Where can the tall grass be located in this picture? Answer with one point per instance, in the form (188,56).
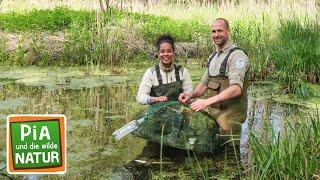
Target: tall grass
(293,155)
(280,37)
(95,37)
(288,53)
(3,53)
(233,10)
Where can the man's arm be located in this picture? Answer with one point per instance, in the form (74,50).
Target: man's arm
(229,93)
(197,92)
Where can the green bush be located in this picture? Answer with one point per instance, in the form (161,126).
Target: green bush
(48,20)
(62,18)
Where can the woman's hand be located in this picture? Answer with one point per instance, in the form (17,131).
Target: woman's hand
(158,99)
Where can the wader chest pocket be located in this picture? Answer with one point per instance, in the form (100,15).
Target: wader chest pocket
(214,85)
(214,88)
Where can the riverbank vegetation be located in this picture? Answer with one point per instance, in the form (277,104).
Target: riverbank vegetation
(281,40)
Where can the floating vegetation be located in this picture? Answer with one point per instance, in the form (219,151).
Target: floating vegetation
(13,103)
(67,78)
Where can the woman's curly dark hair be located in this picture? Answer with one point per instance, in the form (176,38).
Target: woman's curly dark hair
(165,38)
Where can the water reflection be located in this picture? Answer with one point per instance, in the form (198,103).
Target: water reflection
(266,119)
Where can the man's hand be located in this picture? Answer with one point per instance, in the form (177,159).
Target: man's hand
(199,105)
(184,97)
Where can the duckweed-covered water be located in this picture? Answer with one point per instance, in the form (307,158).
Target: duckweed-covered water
(96,104)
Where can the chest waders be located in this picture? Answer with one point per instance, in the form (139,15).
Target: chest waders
(171,90)
(229,114)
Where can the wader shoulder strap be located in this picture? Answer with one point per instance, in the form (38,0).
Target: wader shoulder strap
(177,69)
(225,61)
(210,59)
(159,77)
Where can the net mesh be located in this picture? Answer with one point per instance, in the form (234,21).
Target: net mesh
(178,126)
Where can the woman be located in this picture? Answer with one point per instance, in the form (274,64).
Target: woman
(166,80)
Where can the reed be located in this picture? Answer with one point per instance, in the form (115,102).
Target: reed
(293,154)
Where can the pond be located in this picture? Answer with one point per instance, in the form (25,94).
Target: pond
(96,104)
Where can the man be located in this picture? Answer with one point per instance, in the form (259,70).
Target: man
(226,80)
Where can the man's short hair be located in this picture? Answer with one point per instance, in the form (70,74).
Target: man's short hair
(226,23)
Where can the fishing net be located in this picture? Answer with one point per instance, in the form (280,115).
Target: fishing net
(178,126)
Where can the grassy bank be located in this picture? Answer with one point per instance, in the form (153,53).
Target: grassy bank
(281,39)
(111,37)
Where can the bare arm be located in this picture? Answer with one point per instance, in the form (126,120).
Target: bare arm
(229,93)
(198,91)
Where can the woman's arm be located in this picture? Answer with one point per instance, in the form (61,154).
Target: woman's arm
(186,81)
(143,94)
